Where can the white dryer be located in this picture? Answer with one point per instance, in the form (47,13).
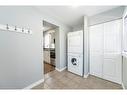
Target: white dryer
(75,52)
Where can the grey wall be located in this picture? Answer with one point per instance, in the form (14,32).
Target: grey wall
(113,14)
(63,46)
(78,27)
(21,55)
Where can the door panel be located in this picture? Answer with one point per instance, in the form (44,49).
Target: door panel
(96,50)
(108,64)
(112,51)
(96,61)
(112,36)
(112,69)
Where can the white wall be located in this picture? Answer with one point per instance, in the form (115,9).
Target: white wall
(21,54)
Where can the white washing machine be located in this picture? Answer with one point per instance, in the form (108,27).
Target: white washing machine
(75,52)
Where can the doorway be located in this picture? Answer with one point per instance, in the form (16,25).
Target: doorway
(49,46)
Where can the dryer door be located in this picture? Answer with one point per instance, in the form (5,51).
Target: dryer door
(75,63)
(75,42)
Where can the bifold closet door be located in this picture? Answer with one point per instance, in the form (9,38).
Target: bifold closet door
(105,50)
(112,51)
(96,49)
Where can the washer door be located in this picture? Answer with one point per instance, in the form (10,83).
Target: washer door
(75,63)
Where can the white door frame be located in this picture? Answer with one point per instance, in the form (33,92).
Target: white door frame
(57,52)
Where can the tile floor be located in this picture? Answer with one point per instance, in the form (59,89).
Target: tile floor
(67,80)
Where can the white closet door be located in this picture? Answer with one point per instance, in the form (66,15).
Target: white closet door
(96,50)
(112,51)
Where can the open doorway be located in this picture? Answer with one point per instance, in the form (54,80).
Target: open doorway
(49,46)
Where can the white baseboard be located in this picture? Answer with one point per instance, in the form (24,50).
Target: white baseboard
(123,86)
(34,84)
(85,76)
(60,69)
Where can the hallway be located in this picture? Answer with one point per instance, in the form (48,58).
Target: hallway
(67,80)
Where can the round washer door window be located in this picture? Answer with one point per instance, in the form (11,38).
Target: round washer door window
(74,61)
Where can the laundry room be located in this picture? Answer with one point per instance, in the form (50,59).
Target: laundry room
(63,47)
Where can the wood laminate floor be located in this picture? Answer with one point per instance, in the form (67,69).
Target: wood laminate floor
(48,68)
(67,80)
